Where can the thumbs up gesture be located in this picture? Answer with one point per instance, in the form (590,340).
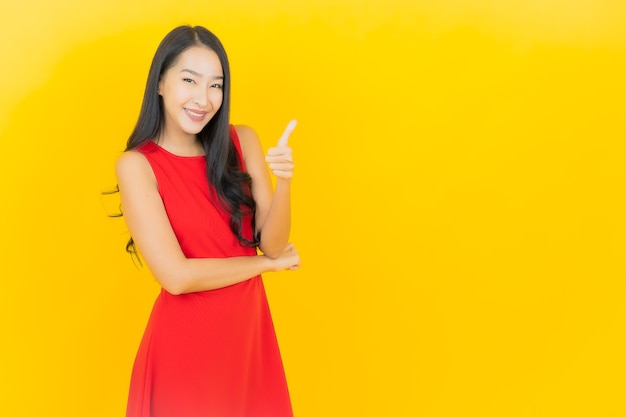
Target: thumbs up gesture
(279,157)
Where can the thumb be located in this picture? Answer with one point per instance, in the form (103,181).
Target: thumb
(285,137)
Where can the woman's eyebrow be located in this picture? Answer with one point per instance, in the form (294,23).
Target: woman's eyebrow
(192,72)
(197,74)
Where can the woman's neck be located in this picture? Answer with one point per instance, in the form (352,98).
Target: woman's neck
(183,145)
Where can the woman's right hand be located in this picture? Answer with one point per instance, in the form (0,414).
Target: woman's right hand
(288,259)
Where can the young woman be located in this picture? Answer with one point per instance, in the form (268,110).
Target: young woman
(198,200)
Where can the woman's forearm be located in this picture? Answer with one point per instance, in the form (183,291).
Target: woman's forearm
(277,225)
(203,274)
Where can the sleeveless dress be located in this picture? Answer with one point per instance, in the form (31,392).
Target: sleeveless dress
(209,353)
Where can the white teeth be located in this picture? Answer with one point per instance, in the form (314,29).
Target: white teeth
(193,113)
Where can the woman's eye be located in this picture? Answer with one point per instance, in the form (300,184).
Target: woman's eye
(188,80)
(216,86)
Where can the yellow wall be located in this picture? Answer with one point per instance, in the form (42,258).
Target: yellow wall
(459,202)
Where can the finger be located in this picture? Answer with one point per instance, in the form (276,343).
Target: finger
(275,154)
(282,166)
(283,174)
(281,159)
(285,137)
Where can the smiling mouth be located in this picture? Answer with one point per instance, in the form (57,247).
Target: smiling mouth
(196,114)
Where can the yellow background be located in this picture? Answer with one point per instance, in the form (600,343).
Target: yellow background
(459,200)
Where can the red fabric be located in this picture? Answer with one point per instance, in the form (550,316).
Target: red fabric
(210,353)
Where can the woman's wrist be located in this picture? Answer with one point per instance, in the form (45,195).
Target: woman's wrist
(269,264)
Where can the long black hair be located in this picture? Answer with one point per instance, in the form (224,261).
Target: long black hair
(232,185)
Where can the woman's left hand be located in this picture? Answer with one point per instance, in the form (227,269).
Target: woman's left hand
(280,158)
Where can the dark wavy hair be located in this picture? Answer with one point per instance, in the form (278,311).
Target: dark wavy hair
(232,185)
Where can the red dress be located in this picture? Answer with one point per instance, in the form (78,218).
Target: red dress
(209,353)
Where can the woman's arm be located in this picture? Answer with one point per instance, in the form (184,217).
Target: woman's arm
(150,228)
(273,212)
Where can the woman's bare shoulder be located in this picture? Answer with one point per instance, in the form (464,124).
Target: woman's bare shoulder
(246,133)
(249,140)
(132,163)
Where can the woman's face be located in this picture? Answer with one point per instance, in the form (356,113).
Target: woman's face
(192,91)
